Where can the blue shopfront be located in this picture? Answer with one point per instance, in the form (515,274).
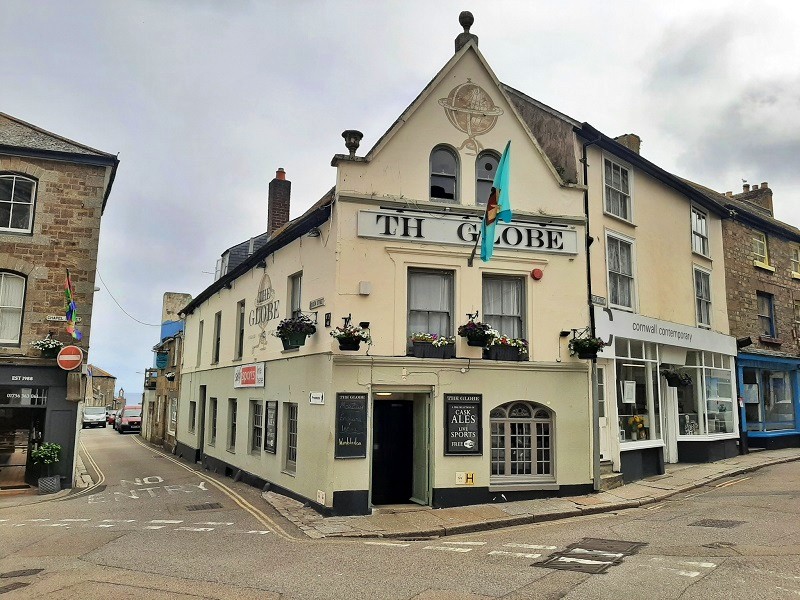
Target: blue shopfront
(769,387)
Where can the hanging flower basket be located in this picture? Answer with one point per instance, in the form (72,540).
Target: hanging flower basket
(586,348)
(478,334)
(49,346)
(294,330)
(350,337)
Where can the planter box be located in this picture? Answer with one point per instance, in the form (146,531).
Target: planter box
(294,340)
(349,345)
(500,352)
(587,354)
(428,350)
(50,484)
(479,342)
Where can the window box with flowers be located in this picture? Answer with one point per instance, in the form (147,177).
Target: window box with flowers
(49,346)
(351,336)
(506,348)
(586,347)
(294,330)
(477,333)
(432,345)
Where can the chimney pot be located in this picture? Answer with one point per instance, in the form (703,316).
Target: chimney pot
(280,174)
(745,187)
(764,185)
(280,190)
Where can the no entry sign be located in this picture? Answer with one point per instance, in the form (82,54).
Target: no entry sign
(70,358)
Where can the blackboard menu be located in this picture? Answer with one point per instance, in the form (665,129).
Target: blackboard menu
(463,428)
(271,428)
(351,425)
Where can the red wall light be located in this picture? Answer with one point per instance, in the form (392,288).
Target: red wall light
(537,274)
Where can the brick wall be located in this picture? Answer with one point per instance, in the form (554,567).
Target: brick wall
(66,230)
(743,280)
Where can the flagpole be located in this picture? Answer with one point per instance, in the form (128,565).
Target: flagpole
(478,238)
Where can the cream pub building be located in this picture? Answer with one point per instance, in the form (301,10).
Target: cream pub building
(387,247)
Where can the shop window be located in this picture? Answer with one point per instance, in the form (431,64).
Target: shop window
(620,272)
(638,403)
(617,188)
(232,416)
(699,232)
(503,305)
(17,198)
(760,249)
(295,287)
(444,175)
(522,443)
(12,298)
(240,319)
(766,315)
(768,398)
(217,337)
(212,422)
(257,423)
(706,406)
(430,302)
(702,297)
(485,169)
(16,396)
(291,438)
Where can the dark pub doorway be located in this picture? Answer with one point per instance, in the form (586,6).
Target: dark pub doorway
(392,452)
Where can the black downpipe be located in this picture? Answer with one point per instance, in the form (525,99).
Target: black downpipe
(585,161)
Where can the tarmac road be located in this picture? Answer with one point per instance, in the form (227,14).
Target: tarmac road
(155,527)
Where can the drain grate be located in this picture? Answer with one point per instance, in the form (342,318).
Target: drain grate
(591,555)
(204,506)
(12,586)
(21,573)
(717,523)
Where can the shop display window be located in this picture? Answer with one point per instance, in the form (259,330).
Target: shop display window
(638,403)
(768,400)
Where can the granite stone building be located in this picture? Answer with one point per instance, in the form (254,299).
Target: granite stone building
(53,192)
(101,387)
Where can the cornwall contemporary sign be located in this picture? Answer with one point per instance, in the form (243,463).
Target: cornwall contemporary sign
(463,231)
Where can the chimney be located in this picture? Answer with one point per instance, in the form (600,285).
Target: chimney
(631,141)
(466,20)
(280,190)
(759,196)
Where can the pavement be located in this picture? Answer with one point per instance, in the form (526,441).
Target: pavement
(422,522)
(412,521)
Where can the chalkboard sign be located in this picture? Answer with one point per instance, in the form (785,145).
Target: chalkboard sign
(271,429)
(351,425)
(463,428)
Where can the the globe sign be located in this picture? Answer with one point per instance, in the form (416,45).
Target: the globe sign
(471,110)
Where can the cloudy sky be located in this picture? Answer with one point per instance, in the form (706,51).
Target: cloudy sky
(205,99)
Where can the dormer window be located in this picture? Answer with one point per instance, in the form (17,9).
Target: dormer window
(17,195)
(444,175)
(485,169)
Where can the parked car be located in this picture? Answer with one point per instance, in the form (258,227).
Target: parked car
(115,420)
(94,416)
(129,419)
(111,416)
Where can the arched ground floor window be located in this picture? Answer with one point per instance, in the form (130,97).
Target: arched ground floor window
(522,443)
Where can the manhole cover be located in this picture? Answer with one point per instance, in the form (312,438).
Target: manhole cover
(204,506)
(12,586)
(569,563)
(717,523)
(591,555)
(21,573)
(615,546)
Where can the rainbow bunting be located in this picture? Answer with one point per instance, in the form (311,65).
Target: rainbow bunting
(71,309)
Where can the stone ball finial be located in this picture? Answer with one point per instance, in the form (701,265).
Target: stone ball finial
(352,139)
(466,19)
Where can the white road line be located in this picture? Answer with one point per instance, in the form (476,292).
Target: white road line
(516,554)
(75,520)
(705,565)
(529,546)
(212,523)
(166,521)
(193,529)
(451,549)
(387,544)
(36,520)
(103,525)
(258,531)
(795,592)
(20,525)
(3,520)
(154,526)
(119,520)
(466,543)
(54,525)
(597,553)
(676,571)
(583,561)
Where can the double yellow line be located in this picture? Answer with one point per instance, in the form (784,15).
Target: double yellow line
(239,500)
(101,478)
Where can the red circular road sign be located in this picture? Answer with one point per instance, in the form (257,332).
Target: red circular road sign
(69,358)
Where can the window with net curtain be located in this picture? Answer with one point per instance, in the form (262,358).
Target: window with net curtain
(502,305)
(620,272)
(12,294)
(430,302)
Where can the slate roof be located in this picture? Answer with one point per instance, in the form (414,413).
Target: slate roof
(17,133)
(98,372)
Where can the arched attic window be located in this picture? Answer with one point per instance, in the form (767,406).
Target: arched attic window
(444,175)
(485,169)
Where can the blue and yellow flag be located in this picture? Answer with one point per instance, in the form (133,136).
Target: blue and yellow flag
(498,208)
(71,309)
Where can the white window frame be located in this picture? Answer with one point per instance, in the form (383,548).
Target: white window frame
(292,433)
(240,329)
(192,423)
(233,416)
(256,425)
(699,300)
(212,421)
(634,292)
(795,260)
(173,415)
(492,318)
(456,177)
(14,178)
(479,200)
(5,306)
(217,338)
(447,275)
(295,294)
(760,249)
(770,299)
(508,428)
(199,342)
(608,186)
(699,220)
